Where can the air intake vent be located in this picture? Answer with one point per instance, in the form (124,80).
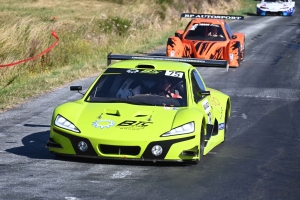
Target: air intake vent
(141,115)
(112,112)
(120,150)
(146,66)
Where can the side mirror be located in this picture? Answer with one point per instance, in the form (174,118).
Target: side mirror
(179,33)
(76,88)
(234,37)
(73,88)
(203,93)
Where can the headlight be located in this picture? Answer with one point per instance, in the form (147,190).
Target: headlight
(63,123)
(184,129)
(285,8)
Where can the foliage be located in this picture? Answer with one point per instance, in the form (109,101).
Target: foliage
(112,25)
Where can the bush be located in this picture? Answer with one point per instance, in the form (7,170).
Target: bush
(112,25)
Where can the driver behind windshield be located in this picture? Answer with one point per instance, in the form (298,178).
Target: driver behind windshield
(214,32)
(163,87)
(142,86)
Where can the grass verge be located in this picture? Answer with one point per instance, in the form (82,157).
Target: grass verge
(88,31)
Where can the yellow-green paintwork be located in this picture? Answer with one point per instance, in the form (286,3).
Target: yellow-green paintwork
(82,114)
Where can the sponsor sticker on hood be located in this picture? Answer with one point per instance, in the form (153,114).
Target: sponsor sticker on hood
(103,123)
(133,125)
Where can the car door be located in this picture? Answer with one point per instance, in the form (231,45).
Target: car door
(203,101)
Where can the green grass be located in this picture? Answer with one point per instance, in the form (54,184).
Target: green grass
(88,31)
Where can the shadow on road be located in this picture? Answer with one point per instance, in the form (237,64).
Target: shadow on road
(34,146)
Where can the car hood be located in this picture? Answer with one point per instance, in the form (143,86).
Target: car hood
(111,120)
(208,49)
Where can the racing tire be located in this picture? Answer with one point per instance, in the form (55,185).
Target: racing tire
(243,53)
(202,145)
(239,56)
(226,125)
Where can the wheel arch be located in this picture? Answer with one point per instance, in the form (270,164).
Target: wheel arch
(228,108)
(175,47)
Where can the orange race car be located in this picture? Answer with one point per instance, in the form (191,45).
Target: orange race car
(208,37)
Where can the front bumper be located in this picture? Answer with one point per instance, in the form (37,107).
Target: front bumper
(265,12)
(184,148)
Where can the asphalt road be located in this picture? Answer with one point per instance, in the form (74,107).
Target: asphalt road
(260,159)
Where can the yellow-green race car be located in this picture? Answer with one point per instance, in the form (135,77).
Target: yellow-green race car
(147,108)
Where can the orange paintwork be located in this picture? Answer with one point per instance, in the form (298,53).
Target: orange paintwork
(195,42)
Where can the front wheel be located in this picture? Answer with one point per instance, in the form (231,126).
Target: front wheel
(202,143)
(201,146)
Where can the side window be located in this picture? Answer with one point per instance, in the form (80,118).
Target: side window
(197,85)
(195,88)
(228,30)
(199,80)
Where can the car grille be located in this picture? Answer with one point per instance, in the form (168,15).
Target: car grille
(119,150)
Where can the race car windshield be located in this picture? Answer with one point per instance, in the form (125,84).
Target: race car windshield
(205,32)
(141,87)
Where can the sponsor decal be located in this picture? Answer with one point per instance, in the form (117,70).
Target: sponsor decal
(169,58)
(221,126)
(209,117)
(215,25)
(194,27)
(203,24)
(215,101)
(207,109)
(132,71)
(231,17)
(172,53)
(150,71)
(103,123)
(206,106)
(171,107)
(133,125)
(174,74)
(221,115)
(231,56)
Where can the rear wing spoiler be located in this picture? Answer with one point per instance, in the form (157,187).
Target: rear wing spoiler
(193,61)
(210,16)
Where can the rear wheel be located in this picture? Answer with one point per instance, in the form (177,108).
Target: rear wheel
(239,56)
(243,51)
(226,125)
